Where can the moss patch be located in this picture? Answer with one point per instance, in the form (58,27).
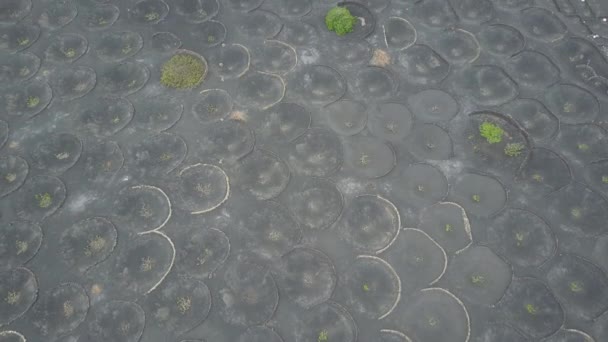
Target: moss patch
(493,133)
(514,149)
(33,101)
(183,71)
(44,200)
(339,20)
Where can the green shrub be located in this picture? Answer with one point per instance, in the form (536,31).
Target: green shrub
(339,20)
(493,133)
(183,71)
(514,149)
(33,101)
(44,200)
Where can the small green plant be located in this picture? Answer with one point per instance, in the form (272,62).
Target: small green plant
(32,101)
(575,287)
(70,53)
(23,41)
(211,109)
(364,159)
(44,200)
(339,20)
(323,336)
(537,177)
(274,236)
(22,246)
(95,245)
(493,133)
(520,238)
(124,328)
(10,177)
(391,127)
(476,198)
(166,156)
(448,227)
(101,21)
(365,288)
(605,179)
(201,13)
(152,16)
(68,309)
(126,49)
(478,279)
(184,304)
(182,71)
(147,264)
(145,211)
(207,253)
(514,149)
(13,297)
(531,309)
(583,147)
(576,212)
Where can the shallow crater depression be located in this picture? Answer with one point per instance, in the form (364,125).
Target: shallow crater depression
(232,170)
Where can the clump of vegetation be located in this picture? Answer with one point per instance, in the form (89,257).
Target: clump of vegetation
(23,41)
(95,245)
(68,309)
(152,16)
(184,304)
(323,336)
(70,53)
(274,236)
(575,286)
(183,71)
(12,298)
(10,177)
(478,279)
(514,149)
(576,212)
(32,101)
(166,156)
(520,238)
(147,264)
(493,133)
(339,20)
(532,310)
(22,246)
(476,198)
(44,200)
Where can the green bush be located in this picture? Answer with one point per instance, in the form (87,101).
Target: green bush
(183,71)
(44,200)
(339,20)
(514,149)
(493,133)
